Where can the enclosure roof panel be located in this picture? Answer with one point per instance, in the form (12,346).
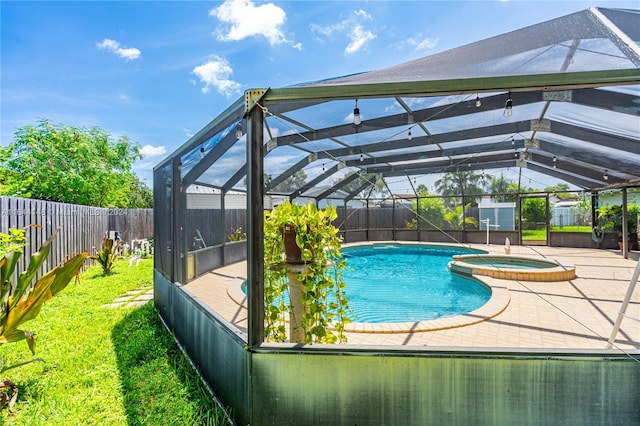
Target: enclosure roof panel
(572,85)
(591,40)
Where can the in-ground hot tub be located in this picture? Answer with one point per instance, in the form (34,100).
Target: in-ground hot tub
(511,267)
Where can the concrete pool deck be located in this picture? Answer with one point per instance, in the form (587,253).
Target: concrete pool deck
(574,314)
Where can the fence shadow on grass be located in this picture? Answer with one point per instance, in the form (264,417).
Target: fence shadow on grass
(158,383)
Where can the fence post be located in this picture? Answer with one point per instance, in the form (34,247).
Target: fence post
(4,215)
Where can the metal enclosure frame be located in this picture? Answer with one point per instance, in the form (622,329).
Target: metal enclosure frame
(288,384)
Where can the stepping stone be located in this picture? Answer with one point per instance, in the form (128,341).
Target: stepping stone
(133,297)
(145,297)
(136,303)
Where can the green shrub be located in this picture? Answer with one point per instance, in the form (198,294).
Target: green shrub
(108,255)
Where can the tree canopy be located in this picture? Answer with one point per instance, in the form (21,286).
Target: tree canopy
(534,210)
(430,210)
(72,165)
(462,183)
(562,191)
(292,183)
(503,190)
(140,196)
(366,186)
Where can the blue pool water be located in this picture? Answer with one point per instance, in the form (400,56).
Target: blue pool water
(399,283)
(509,263)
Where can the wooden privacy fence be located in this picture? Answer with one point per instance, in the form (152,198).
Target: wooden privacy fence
(80,228)
(212,227)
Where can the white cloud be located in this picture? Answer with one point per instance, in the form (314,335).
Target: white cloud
(358,36)
(215,73)
(127,53)
(422,43)
(152,151)
(352,28)
(329,30)
(427,43)
(278,164)
(245,19)
(187,132)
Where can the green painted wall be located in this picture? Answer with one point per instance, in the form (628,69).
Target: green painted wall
(282,384)
(430,389)
(218,353)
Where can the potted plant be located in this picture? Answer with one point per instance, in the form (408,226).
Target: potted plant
(235,249)
(317,266)
(610,219)
(237,234)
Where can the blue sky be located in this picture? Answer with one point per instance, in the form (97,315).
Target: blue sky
(158,72)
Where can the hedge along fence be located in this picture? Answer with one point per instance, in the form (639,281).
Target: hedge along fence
(80,227)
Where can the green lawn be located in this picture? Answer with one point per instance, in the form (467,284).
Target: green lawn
(103,365)
(573,228)
(541,234)
(534,234)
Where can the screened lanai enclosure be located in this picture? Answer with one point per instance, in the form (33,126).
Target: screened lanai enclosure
(559,99)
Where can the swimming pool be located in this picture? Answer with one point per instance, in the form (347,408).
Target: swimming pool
(390,283)
(383,305)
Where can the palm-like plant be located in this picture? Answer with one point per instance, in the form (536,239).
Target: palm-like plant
(108,255)
(457,219)
(461,183)
(21,301)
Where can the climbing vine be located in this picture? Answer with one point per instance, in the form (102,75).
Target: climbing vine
(324,298)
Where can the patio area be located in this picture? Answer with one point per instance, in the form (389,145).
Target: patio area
(575,314)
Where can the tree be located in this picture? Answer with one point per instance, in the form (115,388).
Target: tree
(374,186)
(583,208)
(422,189)
(461,183)
(290,184)
(534,210)
(4,156)
(430,211)
(69,164)
(562,191)
(503,190)
(140,196)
